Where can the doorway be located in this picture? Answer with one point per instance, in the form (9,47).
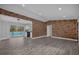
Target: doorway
(49,30)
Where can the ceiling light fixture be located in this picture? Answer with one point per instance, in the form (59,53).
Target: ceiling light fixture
(23,5)
(59,9)
(64,16)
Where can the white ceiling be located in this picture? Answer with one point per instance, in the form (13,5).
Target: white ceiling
(14,20)
(45,12)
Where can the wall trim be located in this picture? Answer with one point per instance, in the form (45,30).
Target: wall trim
(40,37)
(4,38)
(64,38)
(60,38)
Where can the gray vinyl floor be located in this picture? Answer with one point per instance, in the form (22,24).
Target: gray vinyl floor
(42,46)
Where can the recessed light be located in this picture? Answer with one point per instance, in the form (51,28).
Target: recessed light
(59,9)
(23,5)
(64,16)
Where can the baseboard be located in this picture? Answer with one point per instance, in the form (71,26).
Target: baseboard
(64,38)
(55,37)
(40,37)
(46,36)
(5,38)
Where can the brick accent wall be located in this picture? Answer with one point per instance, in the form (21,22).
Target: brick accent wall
(38,28)
(64,28)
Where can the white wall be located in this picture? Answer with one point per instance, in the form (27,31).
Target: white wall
(6,22)
(4,30)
